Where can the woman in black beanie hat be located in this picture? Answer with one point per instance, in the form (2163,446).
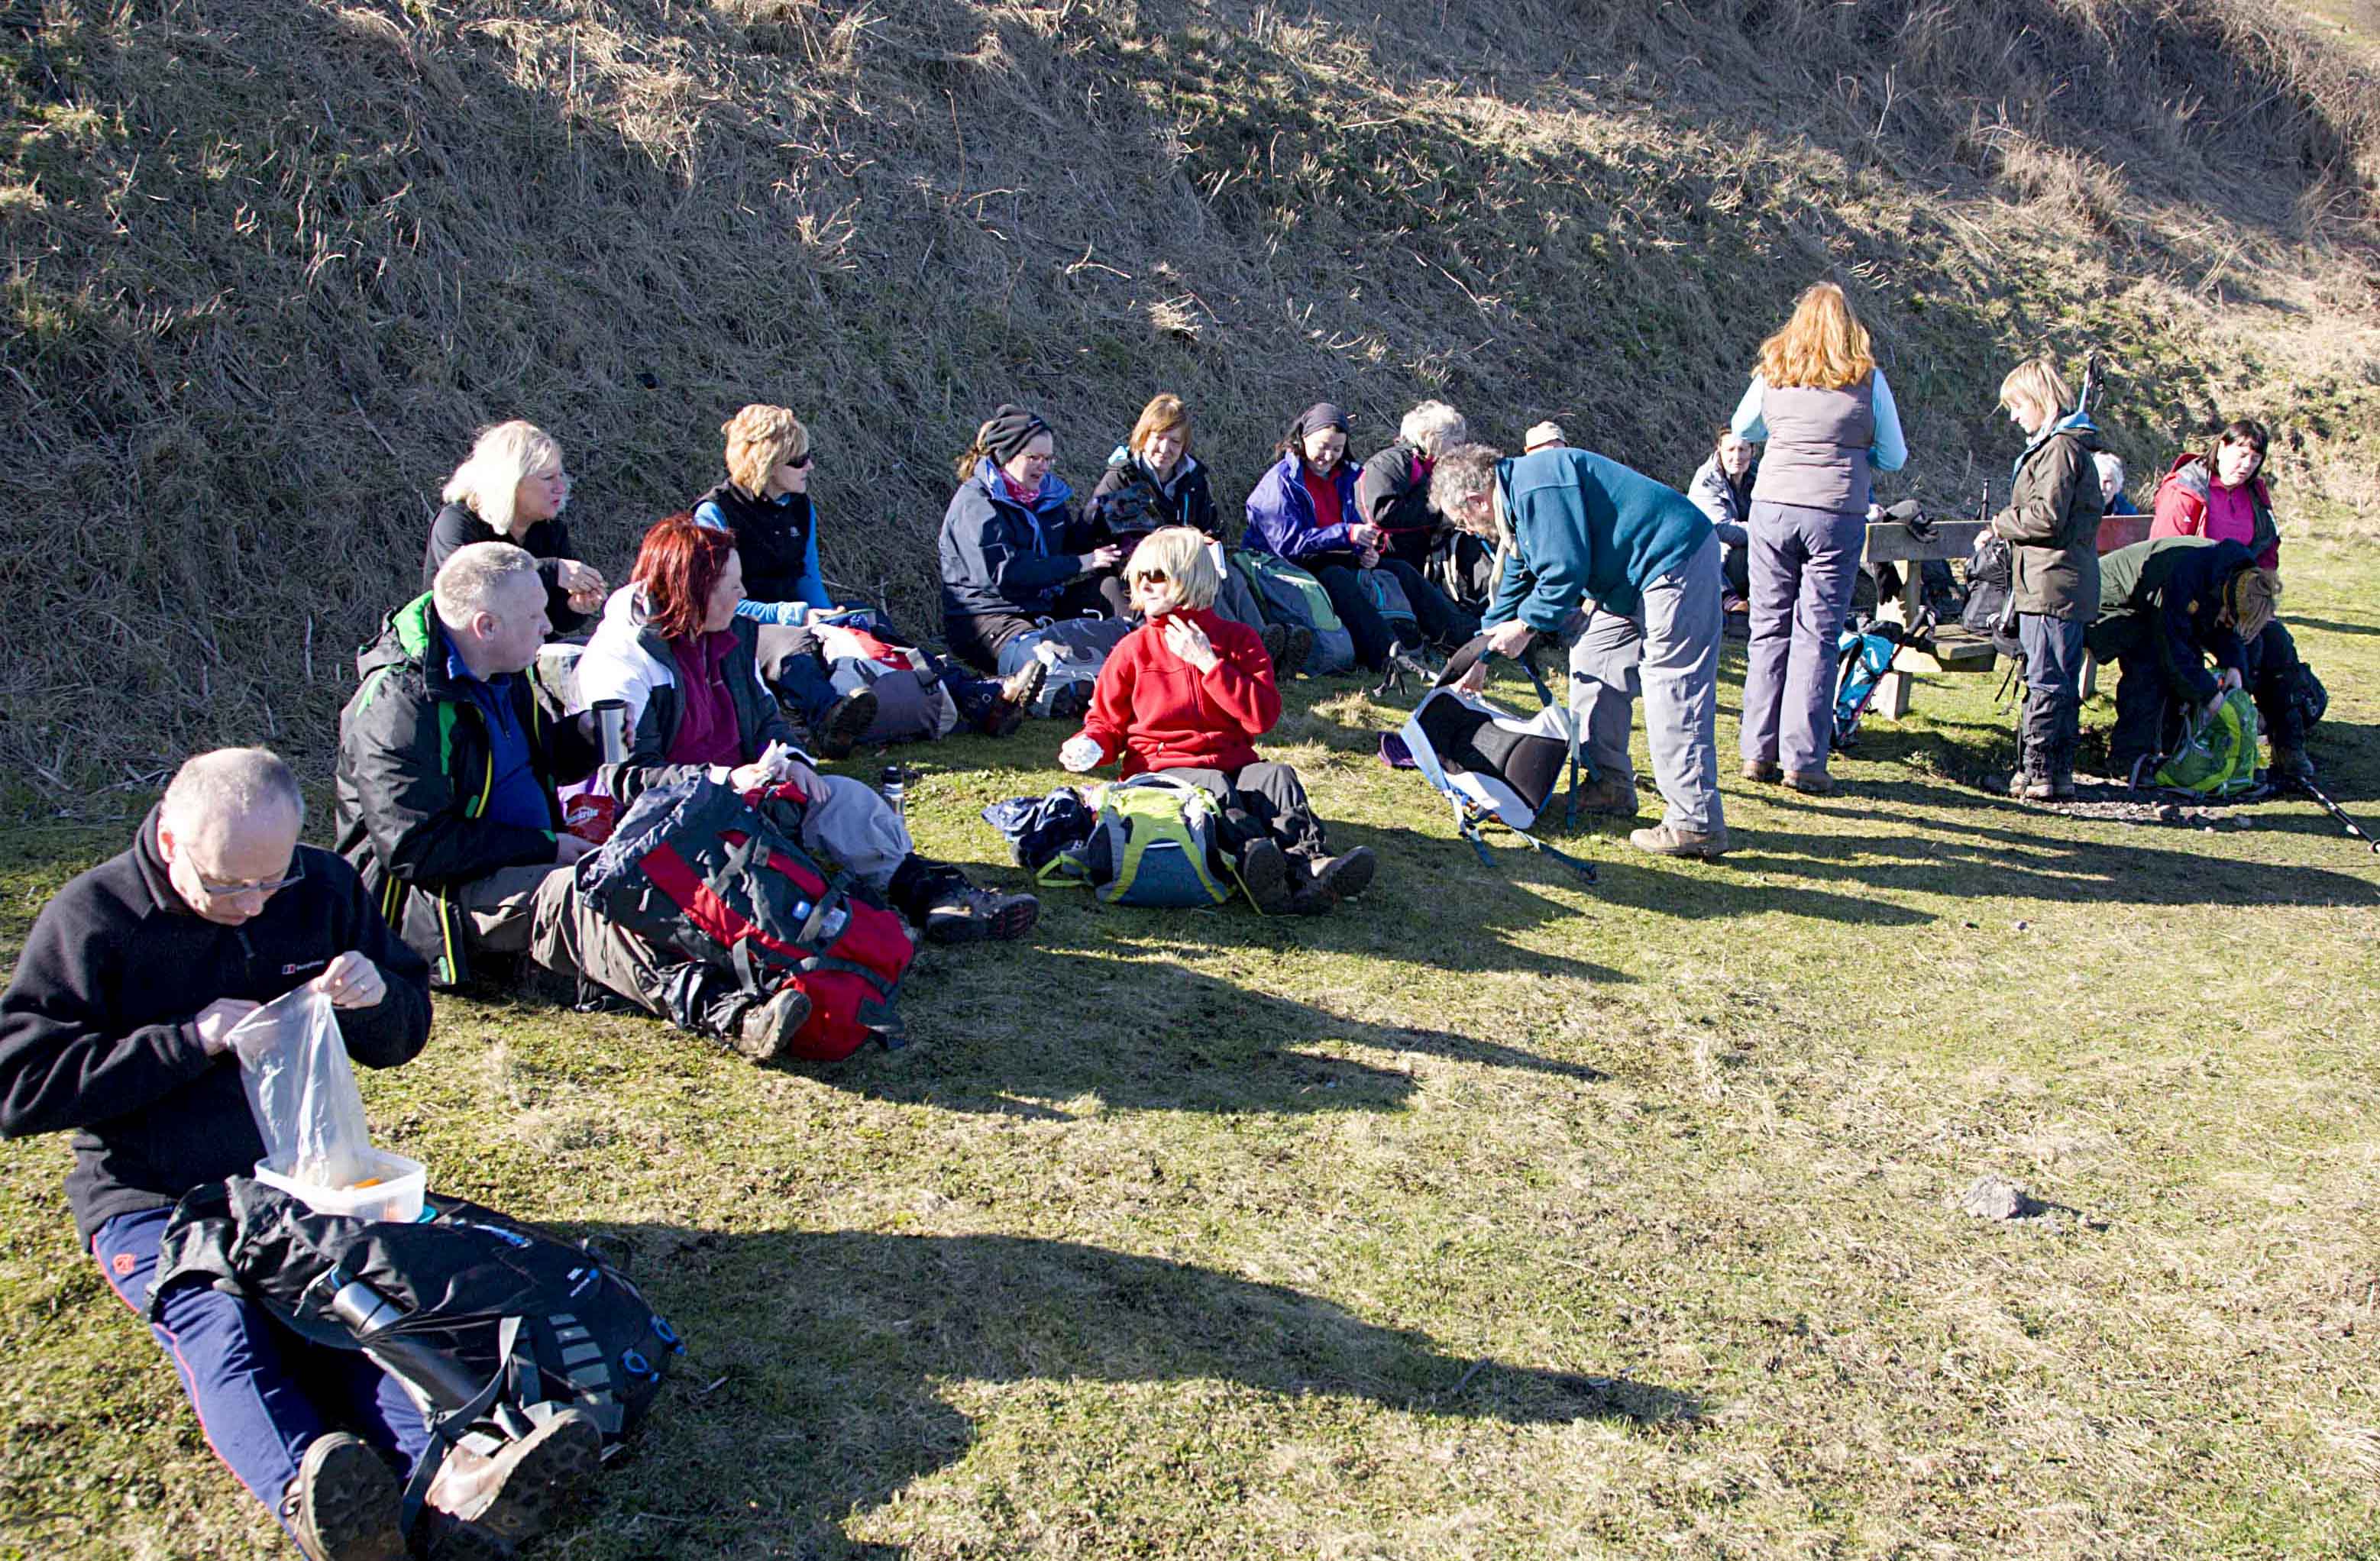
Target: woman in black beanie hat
(1013,549)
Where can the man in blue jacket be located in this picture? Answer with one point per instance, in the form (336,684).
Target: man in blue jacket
(1587,532)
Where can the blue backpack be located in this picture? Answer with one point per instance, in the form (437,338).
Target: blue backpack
(1865,655)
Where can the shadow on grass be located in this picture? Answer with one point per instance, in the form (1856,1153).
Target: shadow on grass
(823,1366)
(2330,626)
(1145,1034)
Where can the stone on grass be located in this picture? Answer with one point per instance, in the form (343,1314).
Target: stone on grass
(1996,1197)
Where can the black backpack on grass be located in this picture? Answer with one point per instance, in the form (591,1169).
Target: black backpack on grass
(493,1326)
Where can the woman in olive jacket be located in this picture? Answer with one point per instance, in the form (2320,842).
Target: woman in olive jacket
(2052,526)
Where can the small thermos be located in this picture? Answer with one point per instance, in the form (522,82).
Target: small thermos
(612,729)
(895,791)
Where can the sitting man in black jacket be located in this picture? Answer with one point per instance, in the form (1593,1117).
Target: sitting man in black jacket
(118,1023)
(449,754)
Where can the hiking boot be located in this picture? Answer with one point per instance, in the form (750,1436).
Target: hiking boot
(1275,639)
(1609,795)
(1762,770)
(346,1503)
(1312,899)
(484,1507)
(766,1029)
(964,913)
(1297,649)
(1018,692)
(1265,877)
(2290,764)
(1810,782)
(1071,701)
(838,731)
(1668,839)
(1344,878)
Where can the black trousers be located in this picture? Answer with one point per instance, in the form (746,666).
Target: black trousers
(1261,801)
(1441,621)
(976,639)
(2149,714)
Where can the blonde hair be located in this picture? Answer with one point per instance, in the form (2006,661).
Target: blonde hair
(467,582)
(1180,555)
(760,437)
(490,477)
(2035,391)
(1432,427)
(2250,599)
(1164,411)
(1824,346)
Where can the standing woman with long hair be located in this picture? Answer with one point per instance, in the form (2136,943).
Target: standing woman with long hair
(1820,402)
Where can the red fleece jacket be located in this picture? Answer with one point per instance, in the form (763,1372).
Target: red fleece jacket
(1161,713)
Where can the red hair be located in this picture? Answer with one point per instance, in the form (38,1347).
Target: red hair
(679,567)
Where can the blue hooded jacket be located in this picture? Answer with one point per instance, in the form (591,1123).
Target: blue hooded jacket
(999,556)
(1281,512)
(1585,526)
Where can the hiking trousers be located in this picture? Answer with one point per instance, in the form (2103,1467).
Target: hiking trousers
(2051,726)
(1670,654)
(1441,622)
(261,1392)
(1803,564)
(1261,801)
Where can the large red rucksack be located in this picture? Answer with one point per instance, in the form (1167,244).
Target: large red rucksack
(708,876)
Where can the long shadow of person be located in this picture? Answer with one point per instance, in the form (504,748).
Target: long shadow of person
(826,1369)
(1148,1033)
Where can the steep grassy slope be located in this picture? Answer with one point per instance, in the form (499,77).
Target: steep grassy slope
(271,261)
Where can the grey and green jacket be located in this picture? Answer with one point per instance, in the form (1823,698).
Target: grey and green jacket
(416,770)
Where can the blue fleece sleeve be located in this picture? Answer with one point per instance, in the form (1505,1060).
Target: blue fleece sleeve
(786,613)
(810,590)
(1747,422)
(1890,451)
(707,513)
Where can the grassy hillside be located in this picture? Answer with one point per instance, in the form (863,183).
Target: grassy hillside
(271,261)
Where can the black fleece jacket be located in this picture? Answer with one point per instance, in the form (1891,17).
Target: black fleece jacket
(548,541)
(99,1025)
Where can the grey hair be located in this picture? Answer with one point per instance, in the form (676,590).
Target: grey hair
(1433,427)
(469,580)
(2110,464)
(490,477)
(229,783)
(1463,474)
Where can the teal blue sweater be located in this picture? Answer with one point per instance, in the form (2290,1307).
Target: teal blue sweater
(1584,525)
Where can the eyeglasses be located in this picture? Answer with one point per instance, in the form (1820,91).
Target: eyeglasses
(262,886)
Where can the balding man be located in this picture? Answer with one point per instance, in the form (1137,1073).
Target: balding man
(448,760)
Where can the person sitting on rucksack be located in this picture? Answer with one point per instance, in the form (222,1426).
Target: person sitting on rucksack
(1393,487)
(765,504)
(1305,510)
(1187,694)
(681,662)
(1012,551)
(118,1022)
(512,488)
(2167,607)
(1721,489)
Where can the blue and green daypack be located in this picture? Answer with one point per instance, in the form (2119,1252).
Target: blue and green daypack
(2219,753)
(1152,845)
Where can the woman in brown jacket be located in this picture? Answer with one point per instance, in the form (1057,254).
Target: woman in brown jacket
(2052,526)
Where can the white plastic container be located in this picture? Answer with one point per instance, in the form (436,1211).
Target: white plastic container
(397,1198)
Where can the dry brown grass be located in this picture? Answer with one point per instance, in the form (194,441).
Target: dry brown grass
(269,262)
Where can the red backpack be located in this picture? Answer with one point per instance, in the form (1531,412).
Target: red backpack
(712,876)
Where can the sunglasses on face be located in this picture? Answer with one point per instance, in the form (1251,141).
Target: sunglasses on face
(800,462)
(1150,577)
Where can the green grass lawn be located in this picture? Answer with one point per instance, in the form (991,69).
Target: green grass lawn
(1497,1216)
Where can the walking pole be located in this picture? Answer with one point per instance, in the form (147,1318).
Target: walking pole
(2349,825)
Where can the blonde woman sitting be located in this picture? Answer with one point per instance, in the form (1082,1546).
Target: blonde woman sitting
(512,488)
(1188,692)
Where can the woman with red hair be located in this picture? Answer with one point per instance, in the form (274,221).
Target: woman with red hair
(672,649)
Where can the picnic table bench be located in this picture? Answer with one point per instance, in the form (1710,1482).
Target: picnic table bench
(1951,647)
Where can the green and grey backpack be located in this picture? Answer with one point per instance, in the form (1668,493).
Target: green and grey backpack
(2217,755)
(1153,845)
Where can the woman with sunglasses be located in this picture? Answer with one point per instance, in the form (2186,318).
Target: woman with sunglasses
(765,505)
(1188,692)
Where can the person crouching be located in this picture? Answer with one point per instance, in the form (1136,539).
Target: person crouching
(1187,694)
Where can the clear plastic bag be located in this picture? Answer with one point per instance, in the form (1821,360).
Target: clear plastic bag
(301,1089)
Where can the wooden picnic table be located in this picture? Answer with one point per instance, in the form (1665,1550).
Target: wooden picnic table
(1946,648)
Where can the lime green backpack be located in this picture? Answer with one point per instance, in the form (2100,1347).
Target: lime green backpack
(2218,756)
(1152,846)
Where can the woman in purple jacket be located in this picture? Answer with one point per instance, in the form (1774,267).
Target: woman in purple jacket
(1303,510)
